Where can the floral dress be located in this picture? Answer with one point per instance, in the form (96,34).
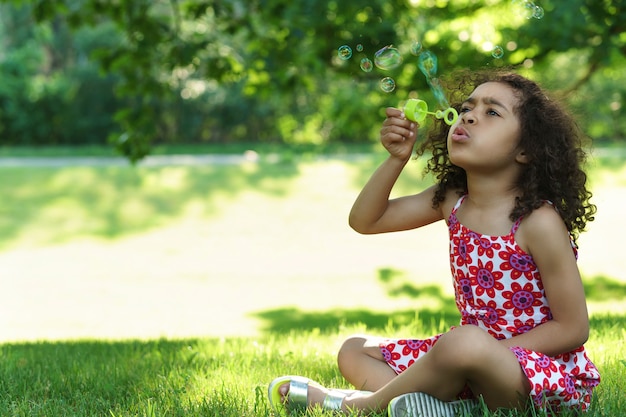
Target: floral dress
(498,288)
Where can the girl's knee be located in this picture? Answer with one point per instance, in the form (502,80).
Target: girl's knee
(464,346)
(352,345)
(357,346)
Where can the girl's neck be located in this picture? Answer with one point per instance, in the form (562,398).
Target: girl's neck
(491,192)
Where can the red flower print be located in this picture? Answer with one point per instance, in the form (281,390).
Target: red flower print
(487,246)
(463,288)
(389,354)
(549,386)
(414,347)
(518,263)
(453,225)
(544,364)
(547,314)
(569,391)
(460,255)
(491,315)
(467,318)
(485,279)
(521,299)
(520,327)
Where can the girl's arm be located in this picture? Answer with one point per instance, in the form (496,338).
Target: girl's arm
(546,238)
(373,211)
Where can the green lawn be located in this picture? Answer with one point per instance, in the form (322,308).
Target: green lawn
(248,271)
(214,376)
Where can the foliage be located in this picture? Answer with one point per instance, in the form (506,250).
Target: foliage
(267,70)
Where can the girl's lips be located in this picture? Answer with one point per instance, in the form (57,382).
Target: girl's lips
(460,134)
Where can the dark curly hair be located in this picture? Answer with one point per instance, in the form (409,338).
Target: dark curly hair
(550,138)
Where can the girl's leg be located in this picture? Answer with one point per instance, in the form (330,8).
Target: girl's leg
(362,364)
(466,355)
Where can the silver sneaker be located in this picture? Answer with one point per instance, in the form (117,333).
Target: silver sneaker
(418,404)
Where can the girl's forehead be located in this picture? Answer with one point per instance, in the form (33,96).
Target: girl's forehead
(494,90)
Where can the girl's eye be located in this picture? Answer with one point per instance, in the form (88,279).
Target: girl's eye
(464,109)
(491,112)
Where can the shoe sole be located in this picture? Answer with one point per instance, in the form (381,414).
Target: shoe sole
(418,404)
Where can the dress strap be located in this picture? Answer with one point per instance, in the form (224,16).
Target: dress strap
(551,204)
(458,204)
(516,225)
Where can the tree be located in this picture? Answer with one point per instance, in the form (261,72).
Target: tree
(268,69)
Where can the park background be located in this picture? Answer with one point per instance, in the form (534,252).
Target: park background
(176,177)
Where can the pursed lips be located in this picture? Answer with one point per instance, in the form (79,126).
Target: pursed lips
(460,134)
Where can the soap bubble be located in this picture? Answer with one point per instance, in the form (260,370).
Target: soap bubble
(427,63)
(538,12)
(359,48)
(437,89)
(497,52)
(388,58)
(524,8)
(366,65)
(416,48)
(344,52)
(529,10)
(387,84)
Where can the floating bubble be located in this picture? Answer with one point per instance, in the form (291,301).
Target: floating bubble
(497,52)
(367,65)
(529,10)
(344,52)
(538,12)
(387,58)
(387,84)
(437,89)
(524,8)
(416,48)
(359,48)
(427,63)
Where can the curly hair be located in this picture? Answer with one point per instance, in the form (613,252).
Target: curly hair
(550,138)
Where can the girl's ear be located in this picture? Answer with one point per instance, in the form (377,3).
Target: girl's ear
(522,158)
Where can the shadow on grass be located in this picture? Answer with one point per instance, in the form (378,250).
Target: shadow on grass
(288,319)
(602,288)
(396,284)
(118,200)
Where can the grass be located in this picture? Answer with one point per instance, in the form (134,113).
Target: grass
(285,222)
(213,376)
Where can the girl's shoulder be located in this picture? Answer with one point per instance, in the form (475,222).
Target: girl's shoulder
(543,225)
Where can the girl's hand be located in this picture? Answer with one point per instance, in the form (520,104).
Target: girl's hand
(398,134)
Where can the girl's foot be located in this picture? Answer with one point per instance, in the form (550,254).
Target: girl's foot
(291,393)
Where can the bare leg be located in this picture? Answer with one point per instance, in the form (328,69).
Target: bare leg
(362,364)
(465,355)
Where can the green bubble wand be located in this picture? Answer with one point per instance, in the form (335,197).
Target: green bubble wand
(416,111)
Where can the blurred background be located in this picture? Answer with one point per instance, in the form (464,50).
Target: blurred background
(175,168)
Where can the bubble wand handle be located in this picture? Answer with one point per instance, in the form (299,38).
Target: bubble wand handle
(416,111)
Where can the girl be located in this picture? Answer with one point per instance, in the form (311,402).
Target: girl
(511,189)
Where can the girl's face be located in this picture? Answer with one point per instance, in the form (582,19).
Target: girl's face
(487,134)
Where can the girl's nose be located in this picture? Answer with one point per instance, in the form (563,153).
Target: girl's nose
(468,118)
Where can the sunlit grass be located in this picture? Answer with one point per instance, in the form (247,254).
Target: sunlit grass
(213,376)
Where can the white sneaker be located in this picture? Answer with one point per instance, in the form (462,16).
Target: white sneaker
(418,404)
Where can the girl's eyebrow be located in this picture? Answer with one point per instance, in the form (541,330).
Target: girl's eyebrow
(487,100)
